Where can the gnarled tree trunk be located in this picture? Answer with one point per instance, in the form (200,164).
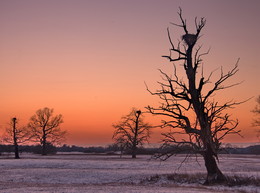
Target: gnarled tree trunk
(214,175)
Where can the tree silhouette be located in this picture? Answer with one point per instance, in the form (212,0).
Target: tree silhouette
(256,111)
(132,132)
(45,128)
(187,102)
(16,135)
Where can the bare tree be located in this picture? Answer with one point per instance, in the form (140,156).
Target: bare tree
(256,111)
(132,132)
(45,128)
(16,135)
(187,103)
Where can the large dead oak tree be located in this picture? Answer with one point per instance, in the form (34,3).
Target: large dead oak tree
(188,102)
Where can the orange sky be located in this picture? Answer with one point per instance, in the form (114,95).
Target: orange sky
(89,59)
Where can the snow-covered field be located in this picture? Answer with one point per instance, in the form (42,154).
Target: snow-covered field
(102,173)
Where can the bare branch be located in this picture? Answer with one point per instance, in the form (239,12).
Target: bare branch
(183,25)
(223,77)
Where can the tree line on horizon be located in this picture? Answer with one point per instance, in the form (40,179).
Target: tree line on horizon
(115,150)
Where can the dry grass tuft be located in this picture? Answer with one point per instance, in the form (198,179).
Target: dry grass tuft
(243,181)
(199,178)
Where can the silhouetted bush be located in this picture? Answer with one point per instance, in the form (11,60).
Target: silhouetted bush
(50,149)
(255,149)
(95,150)
(6,148)
(73,148)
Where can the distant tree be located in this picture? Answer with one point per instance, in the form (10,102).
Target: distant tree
(256,111)
(132,132)
(187,102)
(45,128)
(16,135)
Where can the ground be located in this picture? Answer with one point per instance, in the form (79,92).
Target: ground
(102,173)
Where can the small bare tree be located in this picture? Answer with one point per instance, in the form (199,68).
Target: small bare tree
(256,111)
(187,102)
(256,121)
(16,135)
(132,132)
(45,128)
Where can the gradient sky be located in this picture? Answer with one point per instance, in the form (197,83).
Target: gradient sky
(89,59)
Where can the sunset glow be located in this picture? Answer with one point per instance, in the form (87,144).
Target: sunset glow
(90,60)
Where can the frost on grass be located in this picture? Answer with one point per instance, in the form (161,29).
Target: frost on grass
(85,173)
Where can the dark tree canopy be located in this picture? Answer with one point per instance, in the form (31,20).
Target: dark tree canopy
(45,128)
(188,104)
